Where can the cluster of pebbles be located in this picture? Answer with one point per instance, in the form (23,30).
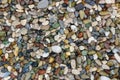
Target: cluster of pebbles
(59,39)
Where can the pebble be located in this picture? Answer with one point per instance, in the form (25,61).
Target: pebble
(73,64)
(74,28)
(24,31)
(11,39)
(104,78)
(76,72)
(82,14)
(43,4)
(56,49)
(117,57)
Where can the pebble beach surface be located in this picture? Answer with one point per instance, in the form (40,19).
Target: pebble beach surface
(59,39)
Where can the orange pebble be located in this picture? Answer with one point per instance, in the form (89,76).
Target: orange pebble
(80,35)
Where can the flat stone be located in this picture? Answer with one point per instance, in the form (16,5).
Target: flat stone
(82,14)
(117,57)
(23,22)
(56,49)
(24,31)
(73,63)
(43,4)
(104,78)
(2,33)
(76,72)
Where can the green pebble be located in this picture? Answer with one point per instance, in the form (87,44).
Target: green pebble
(91,52)
(55,25)
(87,25)
(84,52)
(88,61)
(5,42)
(63,56)
(2,33)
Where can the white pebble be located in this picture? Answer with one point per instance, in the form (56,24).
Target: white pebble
(56,49)
(45,54)
(23,22)
(70,9)
(117,57)
(113,30)
(90,29)
(110,1)
(73,63)
(107,33)
(2,46)
(71,48)
(74,28)
(18,6)
(104,78)
(91,39)
(23,31)
(105,66)
(45,23)
(98,18)
(11,39)
(6,55)
(81,47)
(56,37)
(76,72)
(95,56)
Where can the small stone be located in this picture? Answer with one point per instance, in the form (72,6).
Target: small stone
(82,14)
(51,60)
(2,33)
(71,48)
(1,51)
(104,78)
(74,28)
(98,18)
(46,27)
(4,1)
(98,47)
(84,52)
(66,70)
(68,54)
(91,39)
(108,23)
(95,56)
(43,4)
(73,63)
(70,9)
(110,1)
(81,47)
(24,31)
(45,54)
(117,57)
(11,39)
(113,30)
(55,25)
(76,72)
(18,6)
(107,33)
(16,51)
(41,72)
(105,66)
(79,6)
(103,13)
(91,52)
(56,49)
(80,35)
(23,22)
(45,23)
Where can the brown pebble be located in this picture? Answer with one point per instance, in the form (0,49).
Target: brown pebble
(80,35)
(41,72)
(57,71)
